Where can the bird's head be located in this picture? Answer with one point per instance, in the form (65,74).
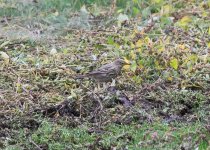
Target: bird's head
(120,62)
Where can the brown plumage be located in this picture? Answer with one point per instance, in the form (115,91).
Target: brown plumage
(106,72)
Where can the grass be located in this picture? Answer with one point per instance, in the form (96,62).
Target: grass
(145,136)
(13,8)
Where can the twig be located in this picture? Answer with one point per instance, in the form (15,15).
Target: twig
(30,140)
(98,100)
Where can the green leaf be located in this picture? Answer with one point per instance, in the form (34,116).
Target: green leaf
(174,63)
(135,11)
(110,40)
(133,66)
(135,1)
(158,1)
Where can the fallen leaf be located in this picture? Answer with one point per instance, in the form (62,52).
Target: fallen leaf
(174,63)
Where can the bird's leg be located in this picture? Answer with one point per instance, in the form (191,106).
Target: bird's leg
(113,83)
(97,88)
(104,86)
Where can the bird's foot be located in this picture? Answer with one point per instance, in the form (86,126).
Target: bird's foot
(113,83)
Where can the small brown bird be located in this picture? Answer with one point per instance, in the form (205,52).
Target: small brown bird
(106,72)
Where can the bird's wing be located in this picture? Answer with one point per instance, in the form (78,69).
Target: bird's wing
(104,70)
(97,72)
(105,67)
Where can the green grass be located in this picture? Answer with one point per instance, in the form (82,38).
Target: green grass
(14,8)
(43,8)
(146,136)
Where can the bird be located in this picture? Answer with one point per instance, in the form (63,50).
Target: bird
(105,73)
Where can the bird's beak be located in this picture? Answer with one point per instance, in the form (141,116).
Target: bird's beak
(127,62)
